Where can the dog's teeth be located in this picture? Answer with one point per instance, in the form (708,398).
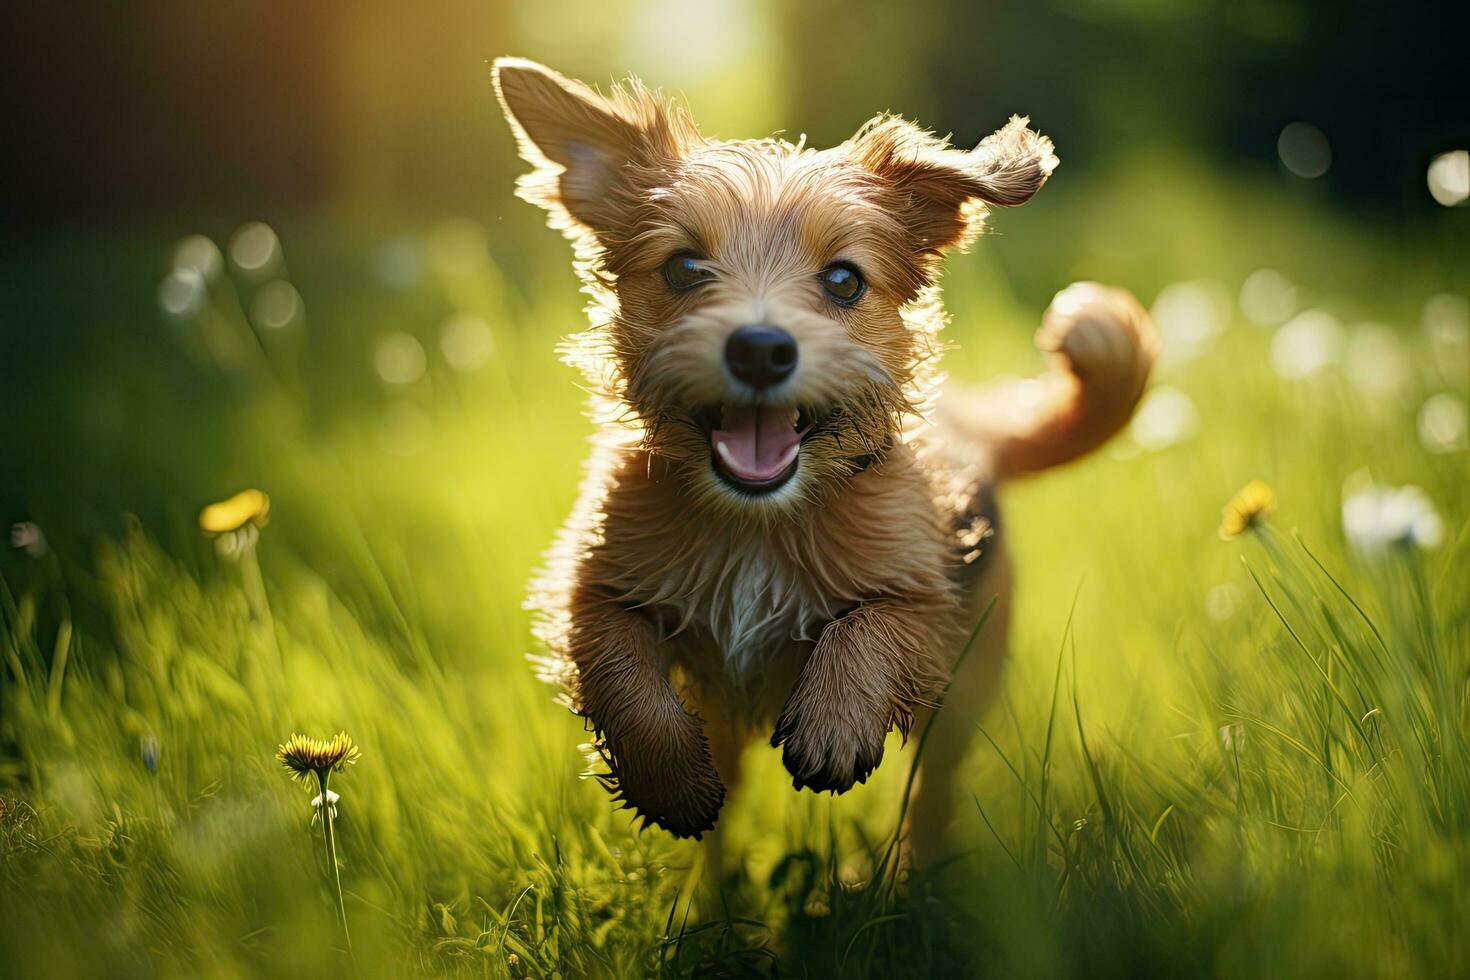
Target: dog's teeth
(795,417)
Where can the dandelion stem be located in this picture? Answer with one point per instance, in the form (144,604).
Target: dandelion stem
(260,605)
(329,836)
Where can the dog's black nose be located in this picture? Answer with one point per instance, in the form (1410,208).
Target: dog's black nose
(761,356)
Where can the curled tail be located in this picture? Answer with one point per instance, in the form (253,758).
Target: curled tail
(1102,345)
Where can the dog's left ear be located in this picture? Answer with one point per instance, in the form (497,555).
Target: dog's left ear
(592,154)
(943,193)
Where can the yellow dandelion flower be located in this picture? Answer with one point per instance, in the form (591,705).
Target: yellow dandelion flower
(303,756)
(1247,509)
(246,507)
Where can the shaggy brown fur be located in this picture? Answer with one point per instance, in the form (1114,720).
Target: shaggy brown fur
(685,610)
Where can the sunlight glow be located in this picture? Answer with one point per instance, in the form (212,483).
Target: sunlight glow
(692,41)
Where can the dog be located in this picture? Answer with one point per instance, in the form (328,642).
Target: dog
(783,529)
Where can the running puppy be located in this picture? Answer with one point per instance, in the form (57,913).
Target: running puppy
(776,535)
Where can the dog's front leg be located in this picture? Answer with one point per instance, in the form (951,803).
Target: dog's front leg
(657,752)
(867,673)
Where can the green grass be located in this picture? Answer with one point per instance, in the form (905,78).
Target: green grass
(1281,791)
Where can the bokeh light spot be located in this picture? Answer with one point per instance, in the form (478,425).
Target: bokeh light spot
(400,359)
(1443,423)
(1449,177)
(182,293)
(1268,297)
(1445,321)
(1222,601)
(466,342)
(1304,150)
(254,247)
(1307,343)
(1166,417)
(1377,363)
(200,254)
(276,305)
(1189,316)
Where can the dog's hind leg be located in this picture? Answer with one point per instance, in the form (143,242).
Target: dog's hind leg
(1102,346)
(973,687)
(727,741)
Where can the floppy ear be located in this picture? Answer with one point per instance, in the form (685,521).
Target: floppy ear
(944,193)
(592,154)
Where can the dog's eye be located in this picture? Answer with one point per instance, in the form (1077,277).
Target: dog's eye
(684,271)
(843,282)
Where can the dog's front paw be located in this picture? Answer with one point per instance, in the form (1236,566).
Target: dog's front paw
(670,781)
(830,747)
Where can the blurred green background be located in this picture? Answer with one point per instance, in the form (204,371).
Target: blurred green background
(275,245)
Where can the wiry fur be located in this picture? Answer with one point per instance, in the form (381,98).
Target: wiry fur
(831,608)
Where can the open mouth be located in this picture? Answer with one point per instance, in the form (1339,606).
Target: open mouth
(755,448)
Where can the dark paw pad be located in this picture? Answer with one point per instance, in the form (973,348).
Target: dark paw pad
(828,761)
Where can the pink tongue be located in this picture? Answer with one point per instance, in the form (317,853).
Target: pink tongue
(757,444)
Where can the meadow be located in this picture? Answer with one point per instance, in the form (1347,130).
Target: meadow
(1237,758)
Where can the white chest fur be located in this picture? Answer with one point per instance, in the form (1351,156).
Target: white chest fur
(751,601)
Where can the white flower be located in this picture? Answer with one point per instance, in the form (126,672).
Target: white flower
(1375,517)
(316,805)
(1446,322)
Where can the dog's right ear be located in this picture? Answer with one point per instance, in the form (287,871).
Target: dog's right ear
(592,154)
(944,192)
